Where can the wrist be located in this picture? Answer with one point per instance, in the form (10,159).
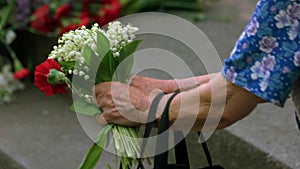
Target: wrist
(162,106)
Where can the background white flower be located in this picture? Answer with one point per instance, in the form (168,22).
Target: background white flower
(10,36)
(8,85)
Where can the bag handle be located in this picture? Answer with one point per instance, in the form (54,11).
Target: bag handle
(297,119)
(205,149)
(181,153)
(150,120)
(161,160)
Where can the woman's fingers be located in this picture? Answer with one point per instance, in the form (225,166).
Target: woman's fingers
(101,120)
(148,84)
(115,118)
(108,117)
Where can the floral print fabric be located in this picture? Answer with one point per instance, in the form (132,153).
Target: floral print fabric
(266,58)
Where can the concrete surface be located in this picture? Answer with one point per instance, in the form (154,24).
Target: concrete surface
(40,133)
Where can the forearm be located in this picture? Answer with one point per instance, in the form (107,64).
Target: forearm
(187,112)
(213,105)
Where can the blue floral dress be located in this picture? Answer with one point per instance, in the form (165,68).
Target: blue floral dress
(266,58)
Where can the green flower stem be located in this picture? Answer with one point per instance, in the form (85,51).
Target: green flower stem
(6,14)
(72,87)
(108,166)
(17,64)
(11,51)
(125,146)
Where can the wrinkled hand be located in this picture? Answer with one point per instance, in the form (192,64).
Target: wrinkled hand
(128,105)
(121,103)
(149,85)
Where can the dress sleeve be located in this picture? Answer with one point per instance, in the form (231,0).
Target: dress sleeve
(266,58)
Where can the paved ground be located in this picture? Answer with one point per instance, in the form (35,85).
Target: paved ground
(38,132)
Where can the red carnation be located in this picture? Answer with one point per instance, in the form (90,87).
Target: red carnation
(21,74)
(64,10)
(41,80)
(42,20)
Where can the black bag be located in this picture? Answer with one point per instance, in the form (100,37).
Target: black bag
(181,154)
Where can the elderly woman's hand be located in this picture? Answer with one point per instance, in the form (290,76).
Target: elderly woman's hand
(129,104)
(121,104)
(148,84)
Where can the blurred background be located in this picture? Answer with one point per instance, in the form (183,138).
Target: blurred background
(38,132)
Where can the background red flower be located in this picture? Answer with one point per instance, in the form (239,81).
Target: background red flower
(43,20)
(62,11)
(110,11)
(21,74)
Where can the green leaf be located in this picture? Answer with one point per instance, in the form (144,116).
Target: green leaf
(87,54)
(103,45)
(129,49)
(95,151)
(85,108)
(92,60)
(126,60)
(124,69)
(67,65)
(4,18)
(106,68)
(106,64)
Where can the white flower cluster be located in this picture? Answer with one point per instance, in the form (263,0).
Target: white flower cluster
(119,36)
(71,44)
(8,85)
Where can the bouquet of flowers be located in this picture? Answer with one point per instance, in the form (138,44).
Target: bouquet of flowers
(92,56)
